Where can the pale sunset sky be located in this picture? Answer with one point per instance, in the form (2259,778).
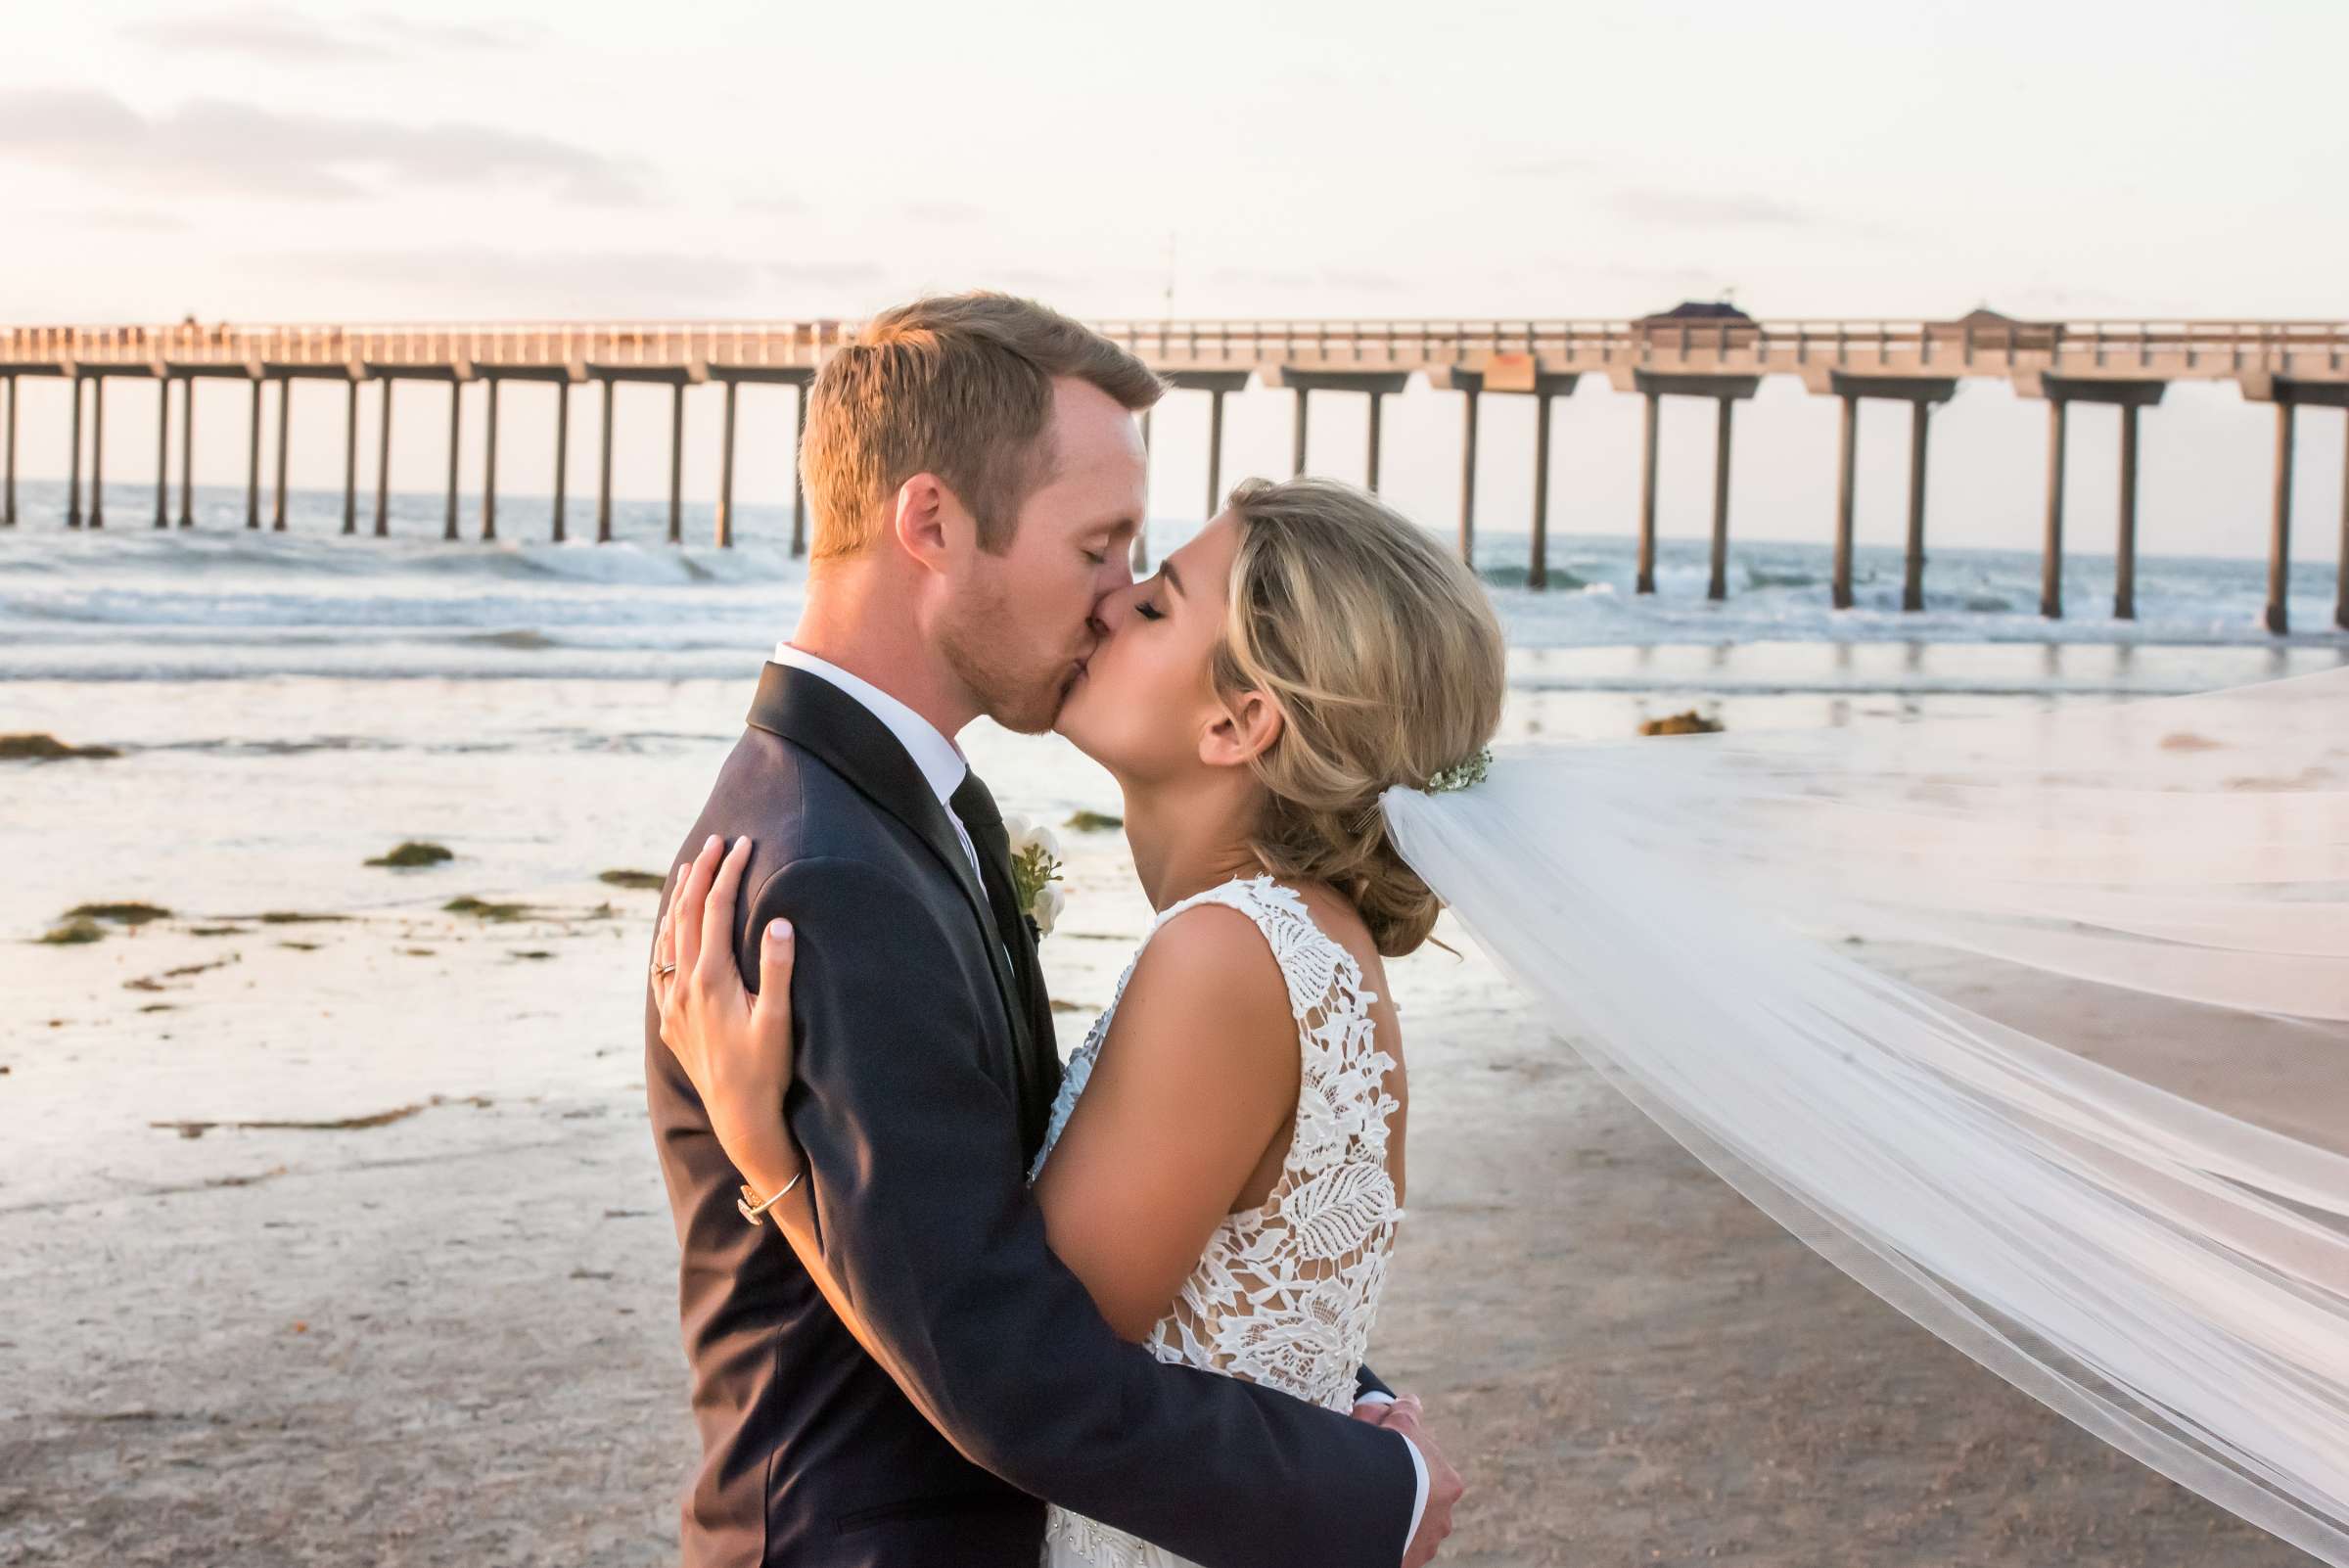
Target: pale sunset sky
(1815,158)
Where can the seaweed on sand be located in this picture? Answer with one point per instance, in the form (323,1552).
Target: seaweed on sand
(484,909)
(414,852)
(48,748)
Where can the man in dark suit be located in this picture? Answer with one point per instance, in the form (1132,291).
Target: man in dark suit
(976,481)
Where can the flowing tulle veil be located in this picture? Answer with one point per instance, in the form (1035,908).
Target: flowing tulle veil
(2038,1027)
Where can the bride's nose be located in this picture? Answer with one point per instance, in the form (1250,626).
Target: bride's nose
(1111,609)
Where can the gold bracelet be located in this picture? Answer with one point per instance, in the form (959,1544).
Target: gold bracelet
(752,1211)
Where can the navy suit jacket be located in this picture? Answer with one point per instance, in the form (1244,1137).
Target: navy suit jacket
(924,1074)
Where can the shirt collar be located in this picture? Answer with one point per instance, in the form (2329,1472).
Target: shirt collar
(941,761)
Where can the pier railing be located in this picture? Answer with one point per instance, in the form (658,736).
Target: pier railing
(2178,348)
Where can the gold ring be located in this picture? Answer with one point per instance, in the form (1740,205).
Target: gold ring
(662,969)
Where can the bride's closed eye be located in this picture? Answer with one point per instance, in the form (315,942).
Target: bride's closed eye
(1148,611)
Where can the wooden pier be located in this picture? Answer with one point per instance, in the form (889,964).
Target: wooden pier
(1725,357)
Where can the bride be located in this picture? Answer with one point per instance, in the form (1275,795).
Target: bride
(1223,1168)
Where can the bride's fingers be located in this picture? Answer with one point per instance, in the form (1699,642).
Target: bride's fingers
(718,915)
(689,904)
(775,952)
(664,935)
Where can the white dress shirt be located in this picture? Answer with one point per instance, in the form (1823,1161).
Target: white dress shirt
(943,765)
(944,768)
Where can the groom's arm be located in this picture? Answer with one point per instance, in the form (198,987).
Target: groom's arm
(926,1231)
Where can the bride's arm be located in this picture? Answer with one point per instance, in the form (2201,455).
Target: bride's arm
(1197,1078)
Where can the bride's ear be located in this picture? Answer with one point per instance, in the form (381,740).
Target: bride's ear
(1250,723)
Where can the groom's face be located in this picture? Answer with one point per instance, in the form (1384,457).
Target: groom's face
(1019,626)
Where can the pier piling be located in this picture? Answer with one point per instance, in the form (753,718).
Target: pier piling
(73,463)
(1645,577)
(2340,599)
(1297,451)
(489,468)
(561,452)
(676,463)
(725,475)
(187,451)
(1716,585)
(162,451)
(1371,458)
(350,458)
(253,460)
(1846,462)
(2124,565)
(383,464)
(2050,570)
(456,409)
(1913,561)
(603,493)
(98,452)
(1537,570)
(8,483)
(1468,404)
(284,416)
(2280,531)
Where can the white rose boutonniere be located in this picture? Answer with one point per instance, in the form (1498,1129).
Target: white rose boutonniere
(1035,873)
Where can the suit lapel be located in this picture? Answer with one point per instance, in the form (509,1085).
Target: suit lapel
(810,712)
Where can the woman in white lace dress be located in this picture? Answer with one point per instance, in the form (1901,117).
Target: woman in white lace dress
(1224,1164)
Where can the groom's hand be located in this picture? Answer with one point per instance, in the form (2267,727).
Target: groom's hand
(1444,1486)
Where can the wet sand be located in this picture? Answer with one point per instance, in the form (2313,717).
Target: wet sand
(439,1327)
(449,1337)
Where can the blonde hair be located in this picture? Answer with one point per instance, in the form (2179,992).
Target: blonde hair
(1388,664)
(960,386)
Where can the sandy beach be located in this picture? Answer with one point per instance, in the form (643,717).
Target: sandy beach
(433,1321)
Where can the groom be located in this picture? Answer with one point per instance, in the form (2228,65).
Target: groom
(976,481)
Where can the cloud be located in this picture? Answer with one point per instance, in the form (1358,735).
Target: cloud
(280,34)
(481,279)
(133,221)
(824,272)
(1710,209)
(1544,168)
(227,148)
(443,35)
(957,213)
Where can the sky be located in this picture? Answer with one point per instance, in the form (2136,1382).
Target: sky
(1814,158)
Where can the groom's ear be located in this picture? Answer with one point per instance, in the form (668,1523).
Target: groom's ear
(1249,725)
(921,519)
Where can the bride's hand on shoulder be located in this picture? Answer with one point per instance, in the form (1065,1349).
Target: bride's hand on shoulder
(734,1046)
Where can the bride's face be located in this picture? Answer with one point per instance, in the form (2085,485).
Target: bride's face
(1145,702)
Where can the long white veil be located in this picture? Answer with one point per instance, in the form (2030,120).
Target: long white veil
(2038,1027)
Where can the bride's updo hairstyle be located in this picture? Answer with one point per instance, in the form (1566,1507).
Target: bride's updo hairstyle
(1387,662)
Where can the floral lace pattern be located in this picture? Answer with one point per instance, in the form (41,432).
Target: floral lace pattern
(1287,1290)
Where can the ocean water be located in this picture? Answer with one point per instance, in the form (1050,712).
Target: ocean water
(288,706)
(221,602)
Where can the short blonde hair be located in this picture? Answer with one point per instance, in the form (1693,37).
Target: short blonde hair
(960,386)
(1388,666)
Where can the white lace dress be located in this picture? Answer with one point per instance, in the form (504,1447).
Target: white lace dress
(1287,1290)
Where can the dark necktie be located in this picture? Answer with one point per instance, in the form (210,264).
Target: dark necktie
(975,808)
